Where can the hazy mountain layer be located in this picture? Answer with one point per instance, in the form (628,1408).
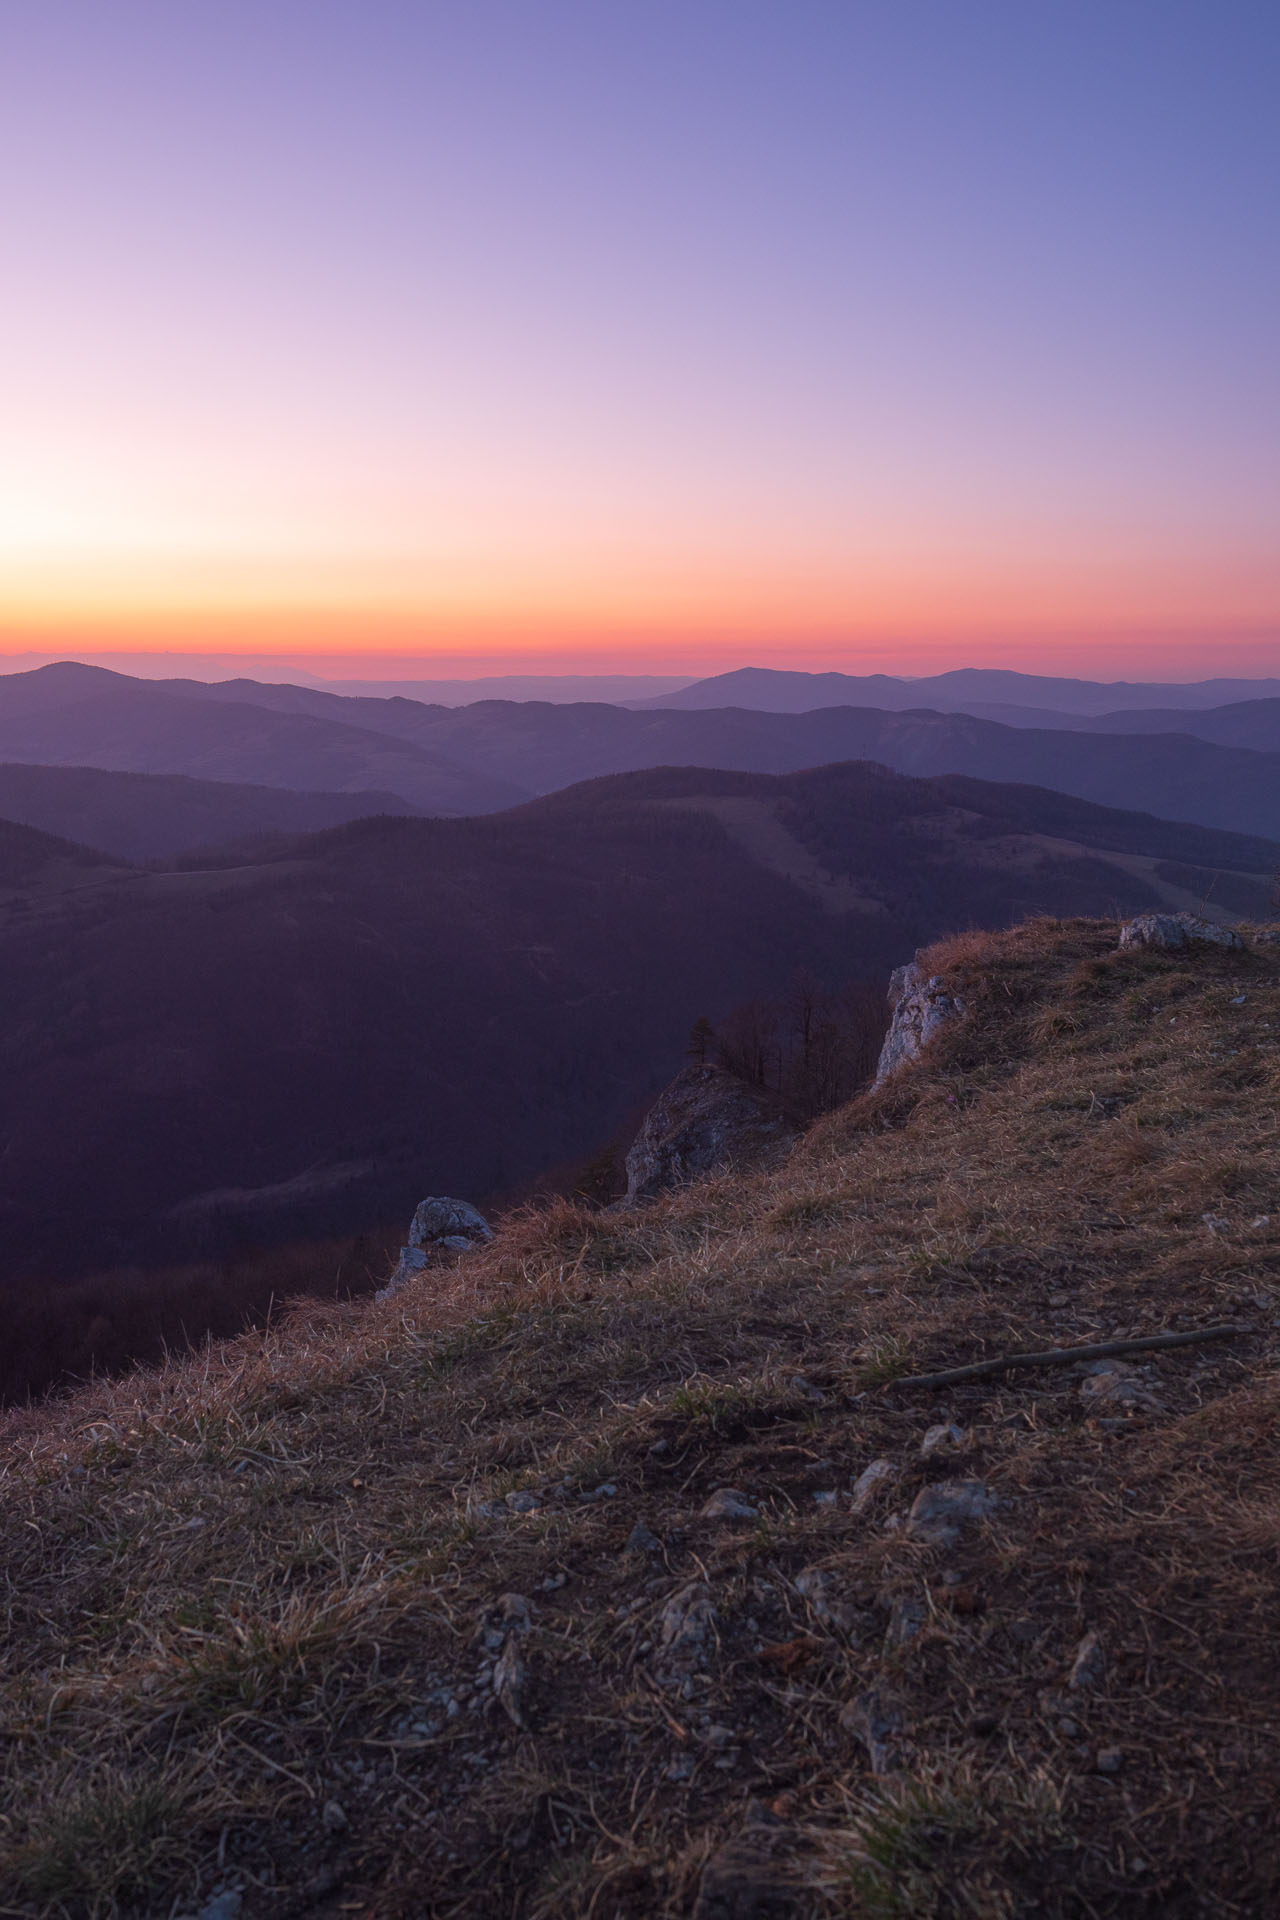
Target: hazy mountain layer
(305,1045)
(776,690)
(153,816)
(479,758)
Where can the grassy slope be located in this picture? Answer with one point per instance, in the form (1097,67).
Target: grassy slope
(240,1592)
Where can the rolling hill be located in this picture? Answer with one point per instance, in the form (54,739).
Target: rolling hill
(306,1041)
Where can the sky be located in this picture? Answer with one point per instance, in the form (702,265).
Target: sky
(572,335)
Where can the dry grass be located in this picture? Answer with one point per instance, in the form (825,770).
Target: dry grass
(250,1598)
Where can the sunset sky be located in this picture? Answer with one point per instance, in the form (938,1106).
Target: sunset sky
(643,335)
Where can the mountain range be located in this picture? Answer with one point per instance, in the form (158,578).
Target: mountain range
(1217,766)
(989,691)
(305,1039)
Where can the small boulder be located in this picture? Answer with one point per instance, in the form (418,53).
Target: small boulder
(944,1438)
(440,1227)
(940,1511)
(706,1121)
(1176,930)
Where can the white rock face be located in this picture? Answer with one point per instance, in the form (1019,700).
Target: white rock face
(922,1007)
(440,1226)
(1176,930)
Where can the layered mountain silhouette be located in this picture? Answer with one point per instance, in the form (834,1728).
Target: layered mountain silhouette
(1220,767)
(307,1040)
(156,816)
(978,690)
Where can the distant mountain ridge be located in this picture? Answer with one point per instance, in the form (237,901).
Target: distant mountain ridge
(1219,768)
(156,816)
(787,690)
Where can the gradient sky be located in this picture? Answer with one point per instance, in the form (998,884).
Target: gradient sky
(651,334)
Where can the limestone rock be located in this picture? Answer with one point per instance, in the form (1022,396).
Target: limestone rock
(922,1008)
(705,1122)
(1176,930)
(440,1227)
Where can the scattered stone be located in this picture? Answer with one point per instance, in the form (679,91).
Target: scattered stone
(686,1629)
(806,1388)
(1090,1663)
(523,1502)
(1110,1760)
(827,1498)
(944,1438)
(641,1540)
(705,1121)
(440,1226)
(225,1905)
(508,1681)
(1176,930)
(1068,1728)
(875,1719)
(922,1007)
(817,1586)
(1109,1384)
(870,1483)
(606,1492)
(727,1503)
(940,1511)
(719,1736)
(333,1819)
(906,1618)
(984,1724)
(515,1609)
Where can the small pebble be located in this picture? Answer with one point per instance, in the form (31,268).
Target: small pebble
(1110,1760)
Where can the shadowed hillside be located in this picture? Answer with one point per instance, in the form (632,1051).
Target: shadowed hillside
(631,1569)
(300,1042)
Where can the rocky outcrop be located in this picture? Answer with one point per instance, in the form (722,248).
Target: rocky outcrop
(922,1007)
(441,1227)
(706,1121)
(1176,930)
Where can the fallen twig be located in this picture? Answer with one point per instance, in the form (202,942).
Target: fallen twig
(1063,1356)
